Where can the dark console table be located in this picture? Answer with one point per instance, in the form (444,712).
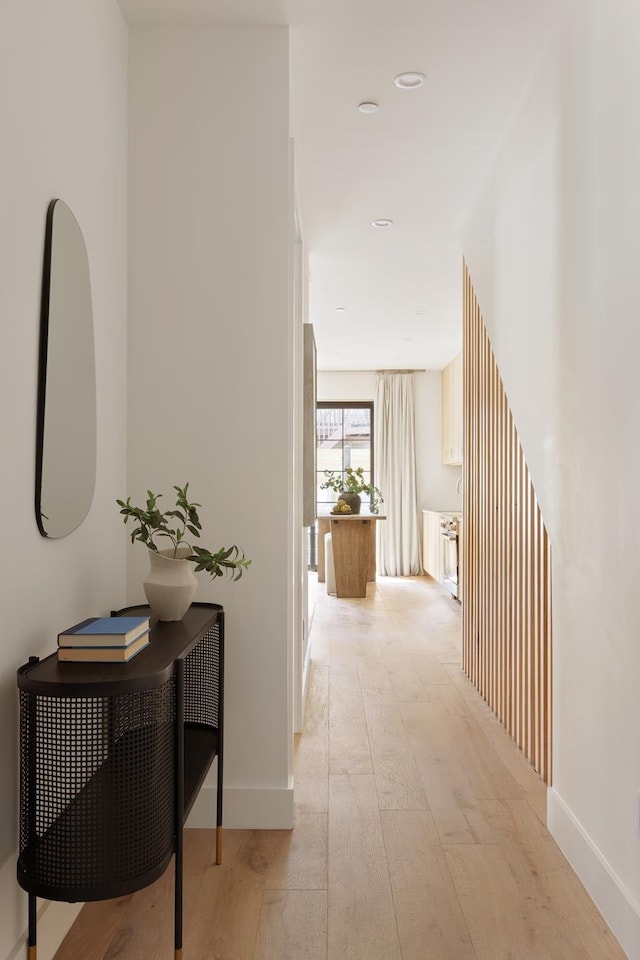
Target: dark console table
(112,757)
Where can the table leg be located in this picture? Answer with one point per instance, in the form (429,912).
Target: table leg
(324,525)
(33,920)
(179,821)
(371,572)
(351,541)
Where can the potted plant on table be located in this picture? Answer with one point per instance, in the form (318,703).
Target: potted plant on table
(349,486)
(172,584)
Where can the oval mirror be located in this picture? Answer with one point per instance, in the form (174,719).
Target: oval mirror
(66,426)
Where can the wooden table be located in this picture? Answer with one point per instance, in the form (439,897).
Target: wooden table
(353,537)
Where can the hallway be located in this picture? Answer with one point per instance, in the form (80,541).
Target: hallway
(419,826)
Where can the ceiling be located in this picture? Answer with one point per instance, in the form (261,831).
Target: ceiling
(419,160)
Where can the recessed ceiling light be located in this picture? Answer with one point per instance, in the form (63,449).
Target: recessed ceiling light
(381,223)
(340,309)
(409,81)
(367,106)
(420,313)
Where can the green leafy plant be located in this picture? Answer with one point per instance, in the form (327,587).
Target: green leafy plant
(151,523)
(352,481)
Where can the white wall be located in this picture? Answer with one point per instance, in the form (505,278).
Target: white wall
(63,117)
(211,361)
(302,602)
(436,483)
(347,385)
(553,251)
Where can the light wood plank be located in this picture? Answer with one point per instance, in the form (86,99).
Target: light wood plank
(361,912)
(548,907)
(99,924)
(223,918)
(504,746)
(297,859)
(293,926)
(348,737)
(449,788)
(374,676)
(342,653)
(397,779)
(456,738)
(311,749)
(147,928)
(410,676)
(431,924)
(500,920)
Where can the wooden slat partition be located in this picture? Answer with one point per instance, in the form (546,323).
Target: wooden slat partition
(506,557)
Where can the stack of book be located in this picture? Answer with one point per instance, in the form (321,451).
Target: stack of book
(106,639)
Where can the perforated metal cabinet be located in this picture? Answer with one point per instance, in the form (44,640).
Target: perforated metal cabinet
(111,759)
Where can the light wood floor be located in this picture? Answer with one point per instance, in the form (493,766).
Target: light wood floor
(419,826)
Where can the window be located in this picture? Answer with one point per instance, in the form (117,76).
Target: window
(344,438)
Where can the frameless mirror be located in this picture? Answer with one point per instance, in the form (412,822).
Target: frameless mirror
(66,427)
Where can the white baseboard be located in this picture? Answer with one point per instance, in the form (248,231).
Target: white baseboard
(306,670)
(610,895)
(244,808)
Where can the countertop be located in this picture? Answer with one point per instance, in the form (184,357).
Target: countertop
(352,516)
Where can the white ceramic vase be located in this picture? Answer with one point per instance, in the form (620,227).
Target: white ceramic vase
(171,583)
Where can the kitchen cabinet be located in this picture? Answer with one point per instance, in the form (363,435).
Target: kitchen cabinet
(460,556)
(452,376)
(432,544)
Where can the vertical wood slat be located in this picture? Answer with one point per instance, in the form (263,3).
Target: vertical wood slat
(506,556)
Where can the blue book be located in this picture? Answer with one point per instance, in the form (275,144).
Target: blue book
(104,632)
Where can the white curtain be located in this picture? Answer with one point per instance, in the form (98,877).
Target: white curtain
(395,475)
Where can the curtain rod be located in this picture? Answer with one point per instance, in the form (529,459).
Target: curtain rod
(415,370)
